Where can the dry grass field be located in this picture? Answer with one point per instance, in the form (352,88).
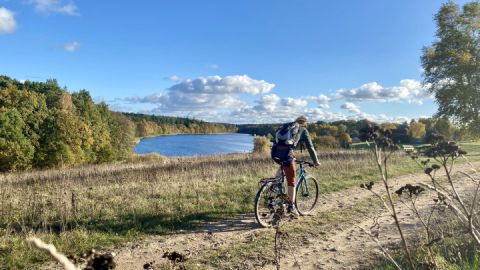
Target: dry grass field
(103,206)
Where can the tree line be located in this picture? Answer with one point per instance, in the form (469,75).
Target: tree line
(342,133)
(42,125)
(152,125)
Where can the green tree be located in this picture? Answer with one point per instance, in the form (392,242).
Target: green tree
(444,127)
(16,151)
(452,64)
(30,105)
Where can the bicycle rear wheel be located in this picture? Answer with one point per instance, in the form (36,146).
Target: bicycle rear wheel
(266,203)
(306,196)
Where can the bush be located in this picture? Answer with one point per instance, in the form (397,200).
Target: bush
(326,142)
(261,144)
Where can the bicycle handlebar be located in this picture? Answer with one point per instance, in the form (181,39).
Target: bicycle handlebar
(300,162)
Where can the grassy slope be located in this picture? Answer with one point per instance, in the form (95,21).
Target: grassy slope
(101,206)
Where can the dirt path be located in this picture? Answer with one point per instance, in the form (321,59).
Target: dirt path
(341,246)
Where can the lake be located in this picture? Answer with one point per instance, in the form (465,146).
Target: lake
(196,145)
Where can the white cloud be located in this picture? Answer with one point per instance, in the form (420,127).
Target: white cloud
(55,6)
(213,66)
(322,100)
(223,99)
(268,103)
(273,109)
(379,118)
(71,46)
(7,21)
(292,102)
(173,78)
(318,114)
(351,107)
(206,95)
(408,90)
(236,84)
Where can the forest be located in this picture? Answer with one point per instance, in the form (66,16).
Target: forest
(43,125)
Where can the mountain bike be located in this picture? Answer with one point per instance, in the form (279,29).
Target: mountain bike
(271,198)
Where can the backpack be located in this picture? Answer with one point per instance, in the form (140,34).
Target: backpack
(287,133)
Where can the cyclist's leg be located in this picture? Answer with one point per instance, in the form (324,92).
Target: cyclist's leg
(289,169)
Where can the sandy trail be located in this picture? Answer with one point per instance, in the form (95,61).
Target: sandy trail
(349,247)
(340,246)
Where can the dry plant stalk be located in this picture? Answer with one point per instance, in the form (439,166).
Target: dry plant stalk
(277,247)
(412,194)
(446,153)
(383,148)
(385,253)
(52,250)
(278,215)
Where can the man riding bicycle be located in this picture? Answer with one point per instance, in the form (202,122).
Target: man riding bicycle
(286,140)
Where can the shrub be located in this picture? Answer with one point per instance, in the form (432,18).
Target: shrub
(326,142)
(261,144)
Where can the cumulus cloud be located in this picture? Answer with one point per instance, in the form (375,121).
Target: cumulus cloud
(322,100)
(270,109)
(408,90)
(71,46)
(268,103)
(318,114)
(351,107)
(379,118)
(223,99)
(229,84)
(7,21)
(206,94)
(292,102)
(55,6)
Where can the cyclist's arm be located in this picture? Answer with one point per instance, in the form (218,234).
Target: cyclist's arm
(305,137)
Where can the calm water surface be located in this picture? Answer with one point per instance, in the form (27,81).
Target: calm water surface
(196,145)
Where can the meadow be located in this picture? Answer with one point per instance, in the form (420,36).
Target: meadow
(107,205)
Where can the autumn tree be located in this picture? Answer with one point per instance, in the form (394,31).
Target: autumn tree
(452,64)
(122,133)
(61,140)
(416,130)
(95,117)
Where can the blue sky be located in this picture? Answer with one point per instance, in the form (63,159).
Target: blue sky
(229,61)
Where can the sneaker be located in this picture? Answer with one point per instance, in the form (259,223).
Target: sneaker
(292,211)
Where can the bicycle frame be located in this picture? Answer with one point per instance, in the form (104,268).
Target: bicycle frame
(301,178)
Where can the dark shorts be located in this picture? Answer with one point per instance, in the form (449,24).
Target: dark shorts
(283,155)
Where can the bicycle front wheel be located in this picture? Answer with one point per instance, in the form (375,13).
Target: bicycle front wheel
(306,195)
(265,204)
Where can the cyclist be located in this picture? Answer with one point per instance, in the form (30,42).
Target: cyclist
(286,140)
